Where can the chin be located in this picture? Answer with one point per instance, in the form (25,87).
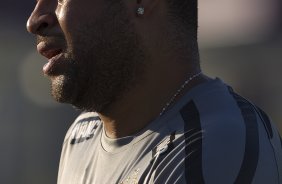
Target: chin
(66,91)
(63,89)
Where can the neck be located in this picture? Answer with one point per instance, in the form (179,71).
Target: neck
(138,109)
(144,103)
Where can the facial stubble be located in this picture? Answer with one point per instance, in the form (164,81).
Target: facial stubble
(105,59)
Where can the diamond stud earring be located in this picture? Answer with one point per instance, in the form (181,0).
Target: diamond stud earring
(140,11)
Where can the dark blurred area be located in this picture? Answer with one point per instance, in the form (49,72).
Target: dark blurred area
(240,41)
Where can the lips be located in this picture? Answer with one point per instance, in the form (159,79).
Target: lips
(54,54)
(48,50)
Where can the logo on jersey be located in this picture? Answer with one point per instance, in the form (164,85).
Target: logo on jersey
(84,130)
(133,179)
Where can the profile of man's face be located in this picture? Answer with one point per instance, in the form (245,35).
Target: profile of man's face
(101,56)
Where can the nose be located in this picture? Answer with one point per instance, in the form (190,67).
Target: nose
(41,19)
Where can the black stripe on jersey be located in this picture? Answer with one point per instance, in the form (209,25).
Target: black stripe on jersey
(281,140)
(251,155)
(193,149)
(267,123)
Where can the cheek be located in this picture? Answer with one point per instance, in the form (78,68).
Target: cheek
(68,20)
(74,16)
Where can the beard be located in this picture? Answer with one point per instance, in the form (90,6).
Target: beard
(105,60)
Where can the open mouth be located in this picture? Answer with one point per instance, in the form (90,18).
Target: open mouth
(54,54)
(51,53)
(48,50)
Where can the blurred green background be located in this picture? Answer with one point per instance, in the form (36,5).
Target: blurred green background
(240,42)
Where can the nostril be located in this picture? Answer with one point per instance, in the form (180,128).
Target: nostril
(42,26)
(39,24)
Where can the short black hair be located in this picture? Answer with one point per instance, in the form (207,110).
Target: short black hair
(184,13)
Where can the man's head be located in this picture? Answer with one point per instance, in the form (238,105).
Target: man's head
(99,50)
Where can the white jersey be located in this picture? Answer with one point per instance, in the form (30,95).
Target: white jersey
(210,136)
